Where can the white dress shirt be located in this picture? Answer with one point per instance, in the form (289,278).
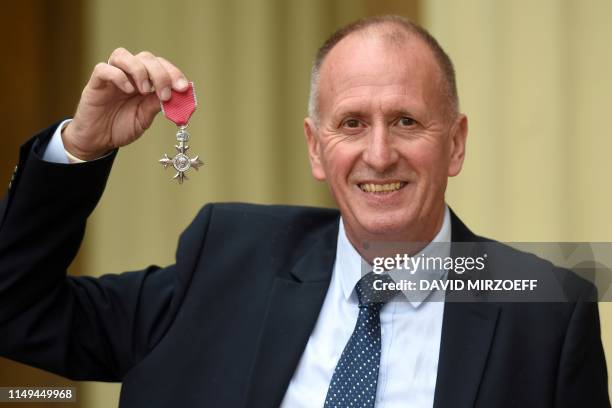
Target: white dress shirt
(410,330)
(410,343)
(55,151)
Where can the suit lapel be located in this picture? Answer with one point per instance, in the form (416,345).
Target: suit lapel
(467,333)
(292,311)
(468,328)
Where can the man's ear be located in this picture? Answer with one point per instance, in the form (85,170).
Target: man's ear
(458,136)
(314,152)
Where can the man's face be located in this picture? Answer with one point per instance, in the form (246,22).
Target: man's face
(385,139)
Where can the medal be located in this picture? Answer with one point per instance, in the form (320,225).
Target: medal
(179,109)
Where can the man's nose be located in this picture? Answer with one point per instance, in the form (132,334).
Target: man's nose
(380,154)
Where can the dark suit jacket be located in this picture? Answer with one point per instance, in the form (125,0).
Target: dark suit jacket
(226,324)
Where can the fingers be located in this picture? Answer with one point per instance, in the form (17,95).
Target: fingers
(149,72)
(134,68)
(179,82)
(156,73)
(104,73)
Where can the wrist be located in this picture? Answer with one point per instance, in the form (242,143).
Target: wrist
(73,151)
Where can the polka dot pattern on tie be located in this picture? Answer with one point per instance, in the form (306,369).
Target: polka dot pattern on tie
(355,379)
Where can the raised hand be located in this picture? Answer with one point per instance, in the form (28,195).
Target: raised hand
(120,102)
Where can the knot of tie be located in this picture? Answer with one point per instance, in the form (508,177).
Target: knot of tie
(370,293)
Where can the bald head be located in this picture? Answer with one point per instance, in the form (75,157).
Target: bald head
(395,32)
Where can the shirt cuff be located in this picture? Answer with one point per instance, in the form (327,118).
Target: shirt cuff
(55,152)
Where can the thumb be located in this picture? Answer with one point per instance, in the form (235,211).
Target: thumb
(149,107)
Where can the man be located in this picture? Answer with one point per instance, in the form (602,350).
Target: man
(266,306)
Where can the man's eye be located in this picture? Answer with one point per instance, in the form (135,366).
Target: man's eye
(406,121)
(351,123)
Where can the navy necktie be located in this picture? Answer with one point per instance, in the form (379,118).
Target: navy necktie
(355,378)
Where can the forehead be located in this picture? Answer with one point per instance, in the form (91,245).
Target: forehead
(371,62)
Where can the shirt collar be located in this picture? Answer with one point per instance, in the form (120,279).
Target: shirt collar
(349,263)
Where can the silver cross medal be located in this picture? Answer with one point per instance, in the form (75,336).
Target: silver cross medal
(179,109)
(181,162)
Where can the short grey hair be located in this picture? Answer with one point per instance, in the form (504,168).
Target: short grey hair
(390,21)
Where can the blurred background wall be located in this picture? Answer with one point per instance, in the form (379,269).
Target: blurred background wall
(534,80)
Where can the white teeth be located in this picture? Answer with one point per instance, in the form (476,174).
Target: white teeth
(381,188)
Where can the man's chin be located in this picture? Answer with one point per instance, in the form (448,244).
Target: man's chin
(386,228)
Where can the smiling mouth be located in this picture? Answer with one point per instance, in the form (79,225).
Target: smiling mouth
(381,188)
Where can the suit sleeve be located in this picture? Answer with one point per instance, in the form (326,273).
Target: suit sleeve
(79,327)
(582,378)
